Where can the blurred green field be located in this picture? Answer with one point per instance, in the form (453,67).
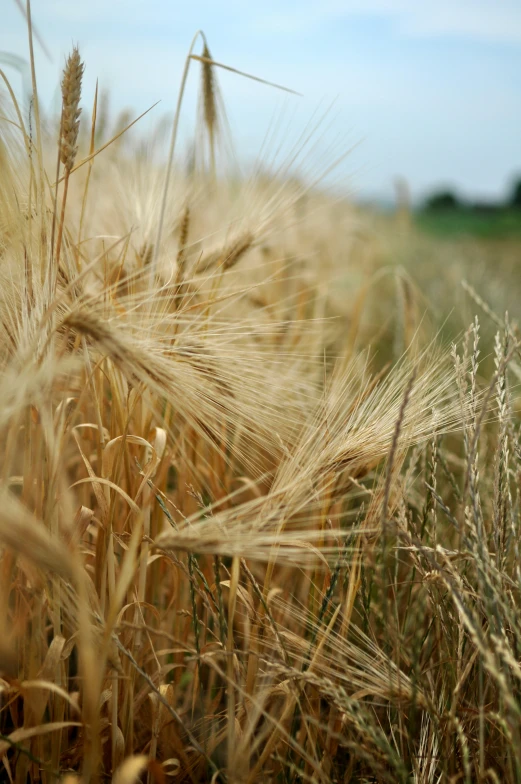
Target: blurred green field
(468,222)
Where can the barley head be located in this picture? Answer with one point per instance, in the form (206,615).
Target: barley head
(71,94)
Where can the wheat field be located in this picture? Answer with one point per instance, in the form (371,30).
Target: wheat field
(260,472)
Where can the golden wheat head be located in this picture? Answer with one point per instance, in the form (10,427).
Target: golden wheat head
(71,94)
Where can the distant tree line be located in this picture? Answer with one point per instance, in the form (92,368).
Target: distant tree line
(447,200)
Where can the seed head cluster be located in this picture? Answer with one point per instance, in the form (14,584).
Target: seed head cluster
(71,94)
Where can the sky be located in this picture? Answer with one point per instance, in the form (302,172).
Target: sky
(427,90)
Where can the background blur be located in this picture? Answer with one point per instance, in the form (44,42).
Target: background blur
(428,91)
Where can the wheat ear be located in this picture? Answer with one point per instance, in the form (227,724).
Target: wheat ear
(69,127)
(209,103)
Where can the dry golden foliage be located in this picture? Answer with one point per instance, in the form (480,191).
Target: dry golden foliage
(236,544)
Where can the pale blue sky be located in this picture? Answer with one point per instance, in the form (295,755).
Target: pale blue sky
(430,88)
